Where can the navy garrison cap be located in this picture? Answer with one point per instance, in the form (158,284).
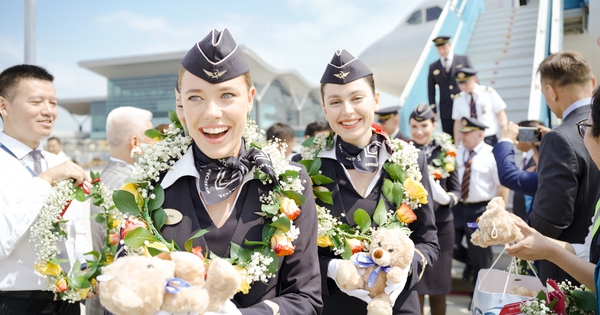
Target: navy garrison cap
(216,58)
(344,68)
(471,124)
(441,40)
(422,112)
(387,113)
(465,74)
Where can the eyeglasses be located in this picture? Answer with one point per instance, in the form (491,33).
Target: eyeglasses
(582,126)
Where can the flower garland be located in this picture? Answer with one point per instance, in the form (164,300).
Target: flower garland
(141,199)
(445,162)
(75,284)
(403,189)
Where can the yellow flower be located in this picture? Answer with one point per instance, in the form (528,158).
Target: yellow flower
(48,269)
(289,207)
(110,258)
(449,167)
(83,293)
(115,223)
(415,190)
(324,241)
(133,189)
(244,286)
(93,282)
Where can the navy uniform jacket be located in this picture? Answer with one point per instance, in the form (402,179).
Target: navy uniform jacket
(446,82)
(346,200)
(567,188)
(296,288)
(451,184)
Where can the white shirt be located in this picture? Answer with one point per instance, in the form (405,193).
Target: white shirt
(450,58)
(21,198)
(487,104)
(484,172)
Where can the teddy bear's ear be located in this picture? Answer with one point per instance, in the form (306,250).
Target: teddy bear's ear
(164,256)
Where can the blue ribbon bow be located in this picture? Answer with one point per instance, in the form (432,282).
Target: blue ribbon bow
(473,225)
(363,260)
(170,288)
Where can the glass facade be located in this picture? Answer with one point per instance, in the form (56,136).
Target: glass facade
(156,94)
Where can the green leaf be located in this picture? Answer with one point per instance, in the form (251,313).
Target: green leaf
(272,268)
(387,189)
(541,296)
(93,253)
(324,196)
(270,209)
(282,223)
(267,232)
(396,172)
(154,133)
(321,179)
(289,174)
(362,219)
(189,243)
(159,217)
(551,304)
(154,250)
(245,253)
(347,251)
(337,241)
(296,196)
(98,217)
(255,243)
(306,164)
(125,202)
(380,214)
(57,261)
(314,167)
(173,118)
(79,194)
(308,142)
(157,202)
(584,300)
(79,282)
(234,250)
(135,238)
(346,228)
(397,194)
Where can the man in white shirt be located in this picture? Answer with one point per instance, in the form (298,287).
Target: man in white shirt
(28,107)
(125,128)
(478,102)
(476,169)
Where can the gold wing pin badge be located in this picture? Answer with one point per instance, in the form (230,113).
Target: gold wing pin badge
(342,75)
(436,71)
(459,66)
(215,74)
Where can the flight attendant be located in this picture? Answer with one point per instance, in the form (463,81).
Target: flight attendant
(355,164)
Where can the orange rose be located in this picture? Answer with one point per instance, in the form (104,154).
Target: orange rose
(451,153)
(437,174)
(61,285)
(289,207)
(356,246)
(405,214)
(132,224)
(114,238)
(281,244)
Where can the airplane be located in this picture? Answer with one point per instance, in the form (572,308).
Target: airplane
(499,36)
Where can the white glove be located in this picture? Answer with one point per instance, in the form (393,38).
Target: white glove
(394,289)
(439,195)
(229,309)
(332,268)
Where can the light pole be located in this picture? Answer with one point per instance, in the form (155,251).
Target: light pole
(30,31)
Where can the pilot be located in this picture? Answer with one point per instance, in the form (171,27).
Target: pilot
(389,119)
(478,102)
(442,73)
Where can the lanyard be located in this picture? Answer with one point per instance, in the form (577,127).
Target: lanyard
(22,162)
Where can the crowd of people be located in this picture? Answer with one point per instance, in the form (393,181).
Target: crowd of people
(212,186)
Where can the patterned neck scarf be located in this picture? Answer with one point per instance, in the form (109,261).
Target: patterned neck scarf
(362,159)
(219,178)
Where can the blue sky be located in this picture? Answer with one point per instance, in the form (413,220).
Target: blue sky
(298,34)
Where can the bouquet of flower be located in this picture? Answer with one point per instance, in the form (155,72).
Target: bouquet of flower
(445,163)
(562,299)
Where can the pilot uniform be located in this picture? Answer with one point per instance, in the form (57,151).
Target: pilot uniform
(446,83)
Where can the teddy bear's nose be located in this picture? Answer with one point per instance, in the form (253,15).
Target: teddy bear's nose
(378,253)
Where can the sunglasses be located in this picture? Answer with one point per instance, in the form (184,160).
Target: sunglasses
(582,125)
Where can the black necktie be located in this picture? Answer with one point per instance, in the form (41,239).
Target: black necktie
(466,178)
(472,106)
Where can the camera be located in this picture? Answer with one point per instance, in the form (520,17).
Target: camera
(529,134)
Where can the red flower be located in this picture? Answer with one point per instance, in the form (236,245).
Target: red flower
(281,245)
(378,130)
(356,246)
(557,294)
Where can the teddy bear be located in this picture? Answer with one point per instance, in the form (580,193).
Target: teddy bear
(391,253)
(171,282)
(496,226)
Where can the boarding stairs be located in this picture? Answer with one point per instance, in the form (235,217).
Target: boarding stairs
(501,49)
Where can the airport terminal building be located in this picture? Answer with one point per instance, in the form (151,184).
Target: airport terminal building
(148,82)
